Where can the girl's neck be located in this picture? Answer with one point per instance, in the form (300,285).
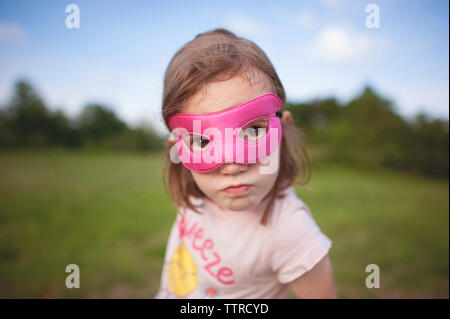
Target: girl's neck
(257,209)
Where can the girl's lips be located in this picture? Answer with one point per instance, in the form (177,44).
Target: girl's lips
(237,190)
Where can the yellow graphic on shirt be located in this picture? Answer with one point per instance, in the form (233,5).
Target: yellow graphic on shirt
(182,272)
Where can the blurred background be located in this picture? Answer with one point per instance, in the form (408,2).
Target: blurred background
(81,137)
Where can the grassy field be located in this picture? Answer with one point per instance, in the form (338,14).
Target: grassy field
(109,214)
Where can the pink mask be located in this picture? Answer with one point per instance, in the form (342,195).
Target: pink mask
(246,133)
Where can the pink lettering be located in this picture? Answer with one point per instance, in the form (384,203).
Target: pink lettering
(198,235)
(182,226)
(207,244)
(225,272)
(215,262)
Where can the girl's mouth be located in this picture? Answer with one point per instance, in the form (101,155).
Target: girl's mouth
(237,190)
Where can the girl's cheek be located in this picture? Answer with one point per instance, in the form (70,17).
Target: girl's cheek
(205,181)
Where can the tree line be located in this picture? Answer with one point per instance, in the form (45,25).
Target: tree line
(27,122)
(368,132)
(365,132)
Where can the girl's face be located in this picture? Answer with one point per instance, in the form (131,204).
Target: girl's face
(218,96)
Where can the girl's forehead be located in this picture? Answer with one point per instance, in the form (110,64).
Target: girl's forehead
(219,96)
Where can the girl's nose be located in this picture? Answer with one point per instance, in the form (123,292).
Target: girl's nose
(232,168)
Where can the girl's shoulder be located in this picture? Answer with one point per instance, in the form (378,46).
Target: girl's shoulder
(293,201)
(296,241)
(289,208)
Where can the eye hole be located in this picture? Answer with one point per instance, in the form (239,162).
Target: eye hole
(255,131)
(195,142)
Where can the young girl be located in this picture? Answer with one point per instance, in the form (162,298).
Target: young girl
(240,231)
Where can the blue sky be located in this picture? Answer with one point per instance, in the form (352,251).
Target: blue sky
(319,48)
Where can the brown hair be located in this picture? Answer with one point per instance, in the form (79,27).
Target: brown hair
(207,58)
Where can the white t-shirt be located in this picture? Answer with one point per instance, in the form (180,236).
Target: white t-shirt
(226,254)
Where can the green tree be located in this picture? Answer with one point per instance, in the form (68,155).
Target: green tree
(27,116)
(97,122)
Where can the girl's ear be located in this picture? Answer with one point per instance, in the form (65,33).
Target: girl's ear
(171,140)
(286,117)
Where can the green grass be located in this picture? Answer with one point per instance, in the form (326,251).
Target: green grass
(109,214)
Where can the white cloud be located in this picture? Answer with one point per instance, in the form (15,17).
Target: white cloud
(342,44)
(10,31)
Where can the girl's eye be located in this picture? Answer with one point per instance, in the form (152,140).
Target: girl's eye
(201,141)
(255,131)
(195,142)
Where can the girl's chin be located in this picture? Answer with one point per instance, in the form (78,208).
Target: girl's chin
(238,204)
